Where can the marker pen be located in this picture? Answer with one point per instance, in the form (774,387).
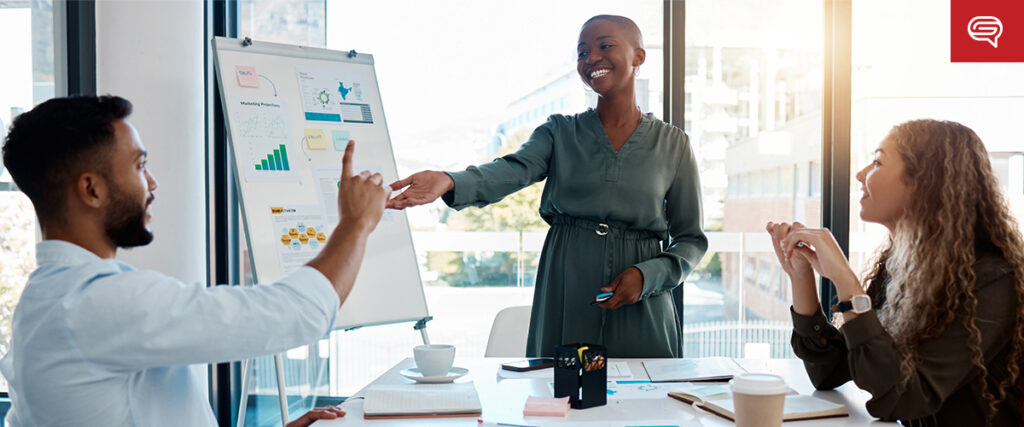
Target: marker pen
(599,298)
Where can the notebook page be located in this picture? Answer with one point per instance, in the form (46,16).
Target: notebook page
(798,406)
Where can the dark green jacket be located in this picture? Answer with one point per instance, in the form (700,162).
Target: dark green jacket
(944,390)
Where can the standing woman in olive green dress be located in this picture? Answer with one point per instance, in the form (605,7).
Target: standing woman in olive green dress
(623,200)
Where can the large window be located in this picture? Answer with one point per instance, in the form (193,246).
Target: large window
(26,79)
(892,85)
(753,112)
(494,71)
(486,73)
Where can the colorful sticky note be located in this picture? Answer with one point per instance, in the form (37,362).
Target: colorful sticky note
(247,76)
(315,139)
(341,138)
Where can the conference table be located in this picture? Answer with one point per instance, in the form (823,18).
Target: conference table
(503,399)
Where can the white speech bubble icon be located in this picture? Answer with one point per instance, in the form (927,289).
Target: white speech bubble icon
(985,29)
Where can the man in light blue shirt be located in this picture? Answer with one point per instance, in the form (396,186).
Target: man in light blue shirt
(99,343)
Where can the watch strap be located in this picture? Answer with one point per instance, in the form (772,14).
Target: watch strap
(842,307)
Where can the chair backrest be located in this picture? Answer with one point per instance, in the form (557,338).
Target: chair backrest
(508,332)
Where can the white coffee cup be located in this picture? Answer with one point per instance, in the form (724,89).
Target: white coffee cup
(435,359)
(759,399)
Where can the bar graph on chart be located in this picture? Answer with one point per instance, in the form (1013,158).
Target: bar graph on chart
(269,161)
(276,161)
(260,137)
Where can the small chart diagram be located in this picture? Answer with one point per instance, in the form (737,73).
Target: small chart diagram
(276,161)
(352,93)
(262,144)
(334,95)
(259,119)
(324,98)
(300,233)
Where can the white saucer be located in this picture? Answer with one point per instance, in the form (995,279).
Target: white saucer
(415,374)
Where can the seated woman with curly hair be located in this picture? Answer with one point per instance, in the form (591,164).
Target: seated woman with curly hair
(935,331)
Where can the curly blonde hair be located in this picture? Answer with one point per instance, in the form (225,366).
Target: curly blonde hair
(925,271)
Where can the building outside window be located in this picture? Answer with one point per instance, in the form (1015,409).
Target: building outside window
(754,92)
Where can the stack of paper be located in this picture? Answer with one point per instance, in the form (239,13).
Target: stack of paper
(421,400)
(697,369)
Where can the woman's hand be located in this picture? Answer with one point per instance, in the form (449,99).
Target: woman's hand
(328,413)
(627,288)
(424,187)
(797,267)
(801,274)
(805,292)
(819,248)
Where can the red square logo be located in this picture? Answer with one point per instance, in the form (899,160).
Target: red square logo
(986,31)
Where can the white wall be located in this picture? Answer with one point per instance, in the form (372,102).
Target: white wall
(151,52)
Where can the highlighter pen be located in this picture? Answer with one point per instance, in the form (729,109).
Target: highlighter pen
(599,298)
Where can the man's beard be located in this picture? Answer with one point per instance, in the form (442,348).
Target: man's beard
(126,220)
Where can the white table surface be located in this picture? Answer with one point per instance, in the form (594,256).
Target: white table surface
(503,400)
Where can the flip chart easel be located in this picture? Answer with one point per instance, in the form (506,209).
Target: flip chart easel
(289,111)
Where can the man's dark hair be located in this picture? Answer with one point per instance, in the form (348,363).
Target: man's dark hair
(56,141)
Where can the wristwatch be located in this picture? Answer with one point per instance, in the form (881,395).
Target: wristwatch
(858,304)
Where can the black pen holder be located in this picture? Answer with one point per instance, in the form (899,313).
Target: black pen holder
(581,372)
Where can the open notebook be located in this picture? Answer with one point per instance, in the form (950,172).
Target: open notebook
(693,369)
(421,400)
(798,407)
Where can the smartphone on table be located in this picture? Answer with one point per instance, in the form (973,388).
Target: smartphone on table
(528,364)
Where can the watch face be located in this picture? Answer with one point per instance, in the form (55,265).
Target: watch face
(861,303)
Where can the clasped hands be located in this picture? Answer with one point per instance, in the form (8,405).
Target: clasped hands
(803,251)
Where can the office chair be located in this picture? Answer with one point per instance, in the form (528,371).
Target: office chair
(508,332)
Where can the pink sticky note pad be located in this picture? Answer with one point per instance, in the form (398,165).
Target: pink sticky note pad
(247,76)
(546,406)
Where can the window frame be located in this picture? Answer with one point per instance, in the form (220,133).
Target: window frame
(74,56)
(75,48)
(222,222)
